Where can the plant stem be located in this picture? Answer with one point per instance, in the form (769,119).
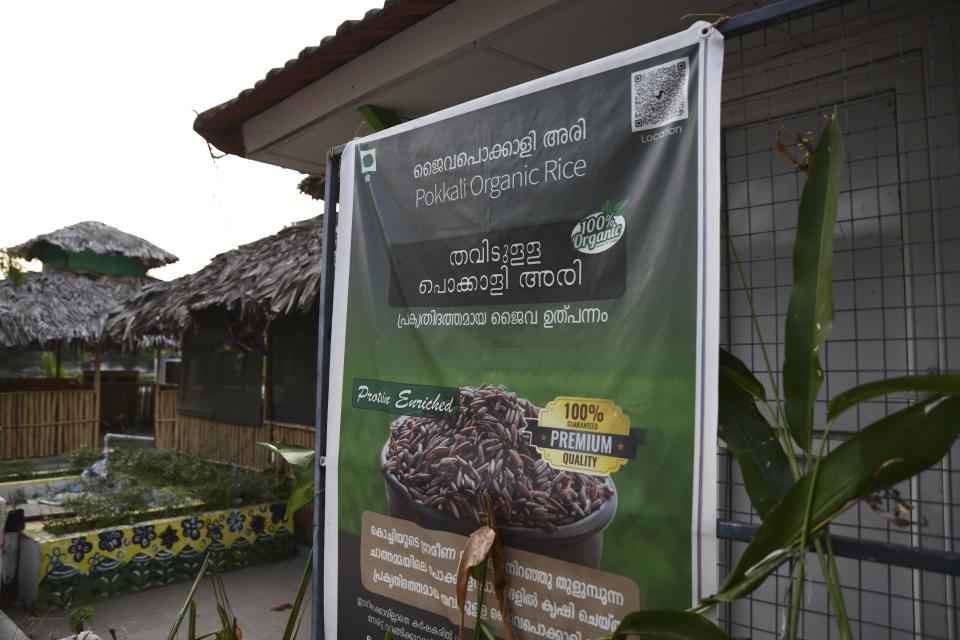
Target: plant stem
(795,607)
(481,591)
(193,590)
(797,594)
(700,608)
(826,558)
(192,621)
(834,587)
(294,617)
(780,419)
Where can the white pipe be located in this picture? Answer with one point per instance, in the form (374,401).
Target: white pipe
(120,436)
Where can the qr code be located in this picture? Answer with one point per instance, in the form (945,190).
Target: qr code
(659,94)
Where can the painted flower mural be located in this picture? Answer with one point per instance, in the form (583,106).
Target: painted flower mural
(110,540)
(144,535)
(80,547)
(191,528)
(109,562)
(214,530)
(169,537)
(235,521)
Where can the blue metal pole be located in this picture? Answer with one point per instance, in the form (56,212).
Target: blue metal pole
(330,199)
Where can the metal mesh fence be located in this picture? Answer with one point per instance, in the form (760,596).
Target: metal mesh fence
(892,72)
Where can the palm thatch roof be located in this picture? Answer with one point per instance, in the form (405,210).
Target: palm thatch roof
(62,306)
(97,237)
(275,275)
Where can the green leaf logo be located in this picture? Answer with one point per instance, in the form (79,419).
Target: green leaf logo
(599,231)
(368,160)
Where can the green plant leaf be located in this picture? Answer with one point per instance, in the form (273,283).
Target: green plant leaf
(486,631)
(810,311)
(940,383)
(11,267)
(302,460)
(295,455)
(734,370)
(676,625)
(290,630)
(754,443)
(888,451)
(227,631)
(80,618)
(192,622)
(302,493)
(193,589)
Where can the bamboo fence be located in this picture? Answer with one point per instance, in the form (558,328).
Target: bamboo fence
(52,422)
(47,423)
(165,418)
(221,441)
(230,444)
(237,444)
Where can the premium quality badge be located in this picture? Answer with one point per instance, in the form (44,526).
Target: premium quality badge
(585,434)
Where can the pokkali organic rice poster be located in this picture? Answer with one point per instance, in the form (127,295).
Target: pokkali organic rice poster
(526,308)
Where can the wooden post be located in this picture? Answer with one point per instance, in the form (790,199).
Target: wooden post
(59,410)
(58,369)
(267,412)
(156,393)
(97,354)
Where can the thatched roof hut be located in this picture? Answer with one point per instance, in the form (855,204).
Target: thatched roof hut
(91,237)
(59,307)
(275,275)
(248,327)
(89,269)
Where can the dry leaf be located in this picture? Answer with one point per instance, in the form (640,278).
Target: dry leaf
(282,607)
(804,144)
(899,514)
(491,512)
(474,554)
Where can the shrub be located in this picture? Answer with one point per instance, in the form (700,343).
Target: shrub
(163,483)
(80,459)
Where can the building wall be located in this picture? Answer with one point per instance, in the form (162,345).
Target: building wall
(891,72)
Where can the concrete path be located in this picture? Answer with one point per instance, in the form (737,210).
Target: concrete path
(253,592)
(9,630)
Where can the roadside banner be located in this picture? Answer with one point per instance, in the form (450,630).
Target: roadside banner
(526,308)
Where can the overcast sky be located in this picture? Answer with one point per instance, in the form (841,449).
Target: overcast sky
(97,112)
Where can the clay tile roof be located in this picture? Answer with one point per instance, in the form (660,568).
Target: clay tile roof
(221,125)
